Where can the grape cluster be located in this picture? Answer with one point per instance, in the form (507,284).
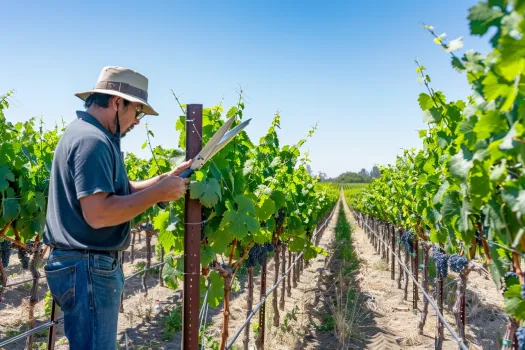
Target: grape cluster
(523,291)
(457,263)
(441,262)
(280,218)
(510,274)
(5,252)
(24,258)
(257,254)
(408,240)
(520,334)
(146,227)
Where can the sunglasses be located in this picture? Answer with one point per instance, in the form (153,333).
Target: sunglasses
(139,114)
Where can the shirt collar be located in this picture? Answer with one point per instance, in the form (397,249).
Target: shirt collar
(94,121)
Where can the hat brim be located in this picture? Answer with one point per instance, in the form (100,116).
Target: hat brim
(147,108)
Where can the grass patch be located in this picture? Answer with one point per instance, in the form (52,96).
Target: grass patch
(172,322)
(345,307)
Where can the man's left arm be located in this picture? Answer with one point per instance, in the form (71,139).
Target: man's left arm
(137,186)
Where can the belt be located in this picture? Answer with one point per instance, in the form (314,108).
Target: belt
(117,254)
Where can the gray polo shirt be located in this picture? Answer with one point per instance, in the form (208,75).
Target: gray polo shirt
(87,160)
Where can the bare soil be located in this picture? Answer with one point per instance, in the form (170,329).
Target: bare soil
(486,320)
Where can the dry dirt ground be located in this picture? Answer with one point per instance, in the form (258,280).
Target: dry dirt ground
(377,317)
(485,318)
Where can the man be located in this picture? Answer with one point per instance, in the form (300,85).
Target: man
(91,202)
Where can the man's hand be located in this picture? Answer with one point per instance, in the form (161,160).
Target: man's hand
(180,168)
(172,187)
(137,186)
(105,209)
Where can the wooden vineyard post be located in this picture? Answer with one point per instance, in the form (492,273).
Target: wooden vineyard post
(294,270)
(416,273)
(440,336)
(259,342)
(283,287)
(246,341)
(122,294)
(132,255)
(401,272)
(386,234)
(161,280)
(275,302)
(424,312)
(393,252)
(37,255)
(289,278)
(52,335)
(192,238)
(405,291)
(148,261)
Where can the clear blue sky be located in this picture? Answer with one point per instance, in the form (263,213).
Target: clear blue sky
(347,65)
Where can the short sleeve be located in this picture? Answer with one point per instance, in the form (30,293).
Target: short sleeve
(91,164)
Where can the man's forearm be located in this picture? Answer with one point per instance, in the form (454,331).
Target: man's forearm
(115,210)
(137,186)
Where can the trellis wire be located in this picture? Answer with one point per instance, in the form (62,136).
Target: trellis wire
(431,302)
(204,309)
(270,291)
(51,323)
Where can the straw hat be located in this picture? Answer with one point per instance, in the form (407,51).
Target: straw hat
(122,82)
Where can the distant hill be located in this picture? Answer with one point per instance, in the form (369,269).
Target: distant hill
(351,177)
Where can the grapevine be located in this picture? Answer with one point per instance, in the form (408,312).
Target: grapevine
(441,260)
(520,334)
(408,241)
(24,257)
(5,251)
(457,263)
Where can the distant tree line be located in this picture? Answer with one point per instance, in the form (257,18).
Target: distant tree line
(362,176)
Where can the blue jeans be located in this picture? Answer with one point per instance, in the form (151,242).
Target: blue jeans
(87,286)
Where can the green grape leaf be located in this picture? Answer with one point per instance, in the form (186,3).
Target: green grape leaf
(37,224)
(5,175)
(499,172)
(511,281)
(489,124)
(508,141)
(466,127)
(493,215)
(482,17)
(279,198)
(239,224)
(245,204)
(207,191)
(166,224)
(425,101)
(216,291)
(451,205)
(207,255)
(439,236)
(10,208)
(172,271)
(262,236)
(265,209)
(479,184)
(296,244)
(494,87)
(513,291)
(512,62)
(464,224)
(40,200)
(515,307)
(461,163)
(433,115)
